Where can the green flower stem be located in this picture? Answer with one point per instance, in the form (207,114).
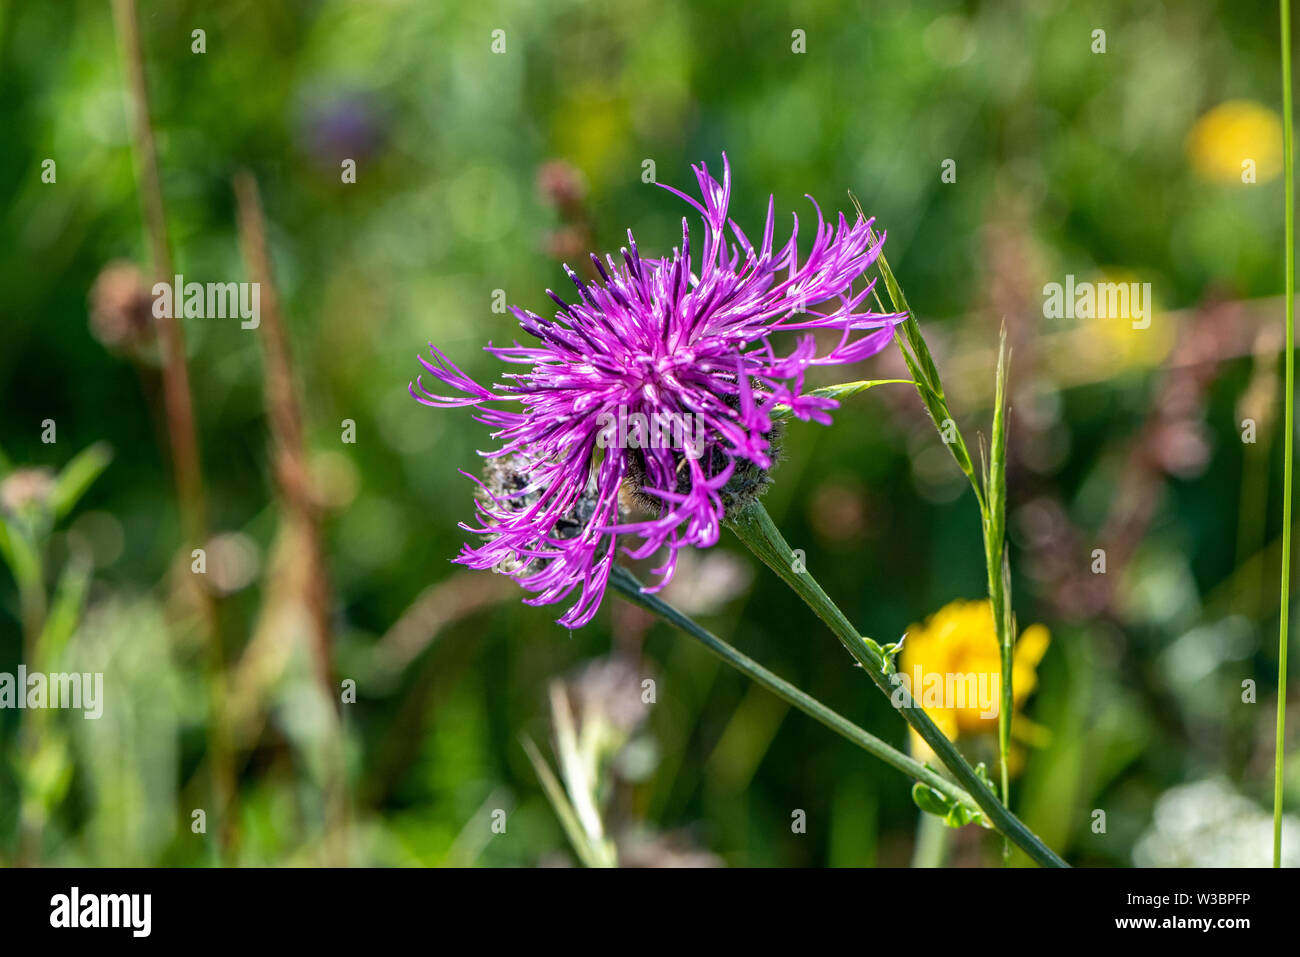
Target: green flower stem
(623,580)
(755,528)
(1288,163)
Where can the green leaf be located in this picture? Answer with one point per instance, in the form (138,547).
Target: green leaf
(77,477)
(996,475)
(954,813)
(838,391)
(887,653)
(959,816)
(65,612)
(20,555)
(45,774)
(590,856)
(929,800)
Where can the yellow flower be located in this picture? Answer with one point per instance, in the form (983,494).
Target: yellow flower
(951,666)
(1225,138)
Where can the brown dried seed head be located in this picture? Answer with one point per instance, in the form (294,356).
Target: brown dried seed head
(121,307)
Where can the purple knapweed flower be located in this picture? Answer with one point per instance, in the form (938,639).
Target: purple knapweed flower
(659,380)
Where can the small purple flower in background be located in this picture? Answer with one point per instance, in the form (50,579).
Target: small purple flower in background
(658,381)
(337,124)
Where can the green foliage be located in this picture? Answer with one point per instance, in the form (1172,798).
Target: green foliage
(1068,162)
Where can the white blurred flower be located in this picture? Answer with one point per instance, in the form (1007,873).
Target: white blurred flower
(1209,824)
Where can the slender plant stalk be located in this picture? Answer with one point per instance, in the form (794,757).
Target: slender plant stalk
(1288,163)
(177,398)
(178,403)
(990,487)
(995,559)
(31,814)
(300,511)
(931,847)
(755,528)
(284,413)
(623,580)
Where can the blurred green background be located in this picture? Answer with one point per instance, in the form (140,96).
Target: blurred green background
(477,171)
